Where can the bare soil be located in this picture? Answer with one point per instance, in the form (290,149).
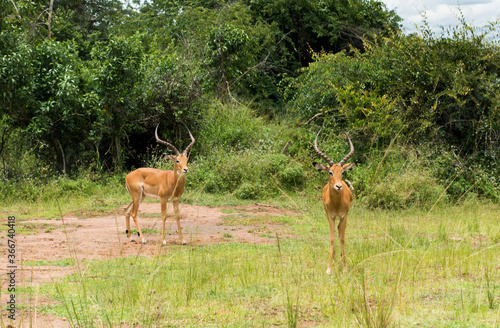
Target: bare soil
(40,256)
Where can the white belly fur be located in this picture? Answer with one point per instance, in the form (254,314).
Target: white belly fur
(151,195)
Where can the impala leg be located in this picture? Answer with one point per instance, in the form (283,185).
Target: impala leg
(127,219)
(331,222)
(177,218)
(163,218)
(135,209)
(342,226)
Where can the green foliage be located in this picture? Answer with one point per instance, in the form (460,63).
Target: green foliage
(324,25)
(230,128)
(420,87)
(87,98)
(414,187)
(226,43)
(171,87)
(250,175)
(432,86)
(43,96)
(240,154)
(86,22)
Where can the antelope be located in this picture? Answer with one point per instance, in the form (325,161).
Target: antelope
(337,199)
(163,184)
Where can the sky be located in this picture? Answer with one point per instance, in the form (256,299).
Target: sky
(444,12)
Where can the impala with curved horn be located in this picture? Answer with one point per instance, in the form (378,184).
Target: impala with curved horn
(337,199)
(163,184)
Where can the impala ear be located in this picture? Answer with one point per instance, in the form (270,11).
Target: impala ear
(320,167)
(348,167)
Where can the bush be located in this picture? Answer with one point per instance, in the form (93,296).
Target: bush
(241,154)
(292,176)
(402,176)
(413,188)
(229,128)
(247,174)
(423,87)
(247,191)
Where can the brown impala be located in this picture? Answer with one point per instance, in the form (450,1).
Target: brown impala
(163,184)
(337,199)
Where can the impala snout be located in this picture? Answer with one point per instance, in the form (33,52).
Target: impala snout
(185,170)
(338,186)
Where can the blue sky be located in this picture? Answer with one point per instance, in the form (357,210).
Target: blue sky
(445,12)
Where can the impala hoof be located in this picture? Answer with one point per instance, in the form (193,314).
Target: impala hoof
(144,241)
(183,242)
(328,271)
(164,242)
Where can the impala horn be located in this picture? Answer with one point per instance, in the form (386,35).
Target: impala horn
(342,162)
(326,158)
(169,145)
(192,141)
(320,153)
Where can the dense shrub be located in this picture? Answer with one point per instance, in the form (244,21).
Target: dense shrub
(414,187)
(440,87)
(419,88)
(248,174)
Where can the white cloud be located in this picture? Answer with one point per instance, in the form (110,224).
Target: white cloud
(445,12)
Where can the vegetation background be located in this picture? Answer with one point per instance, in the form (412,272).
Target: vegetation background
(84,83)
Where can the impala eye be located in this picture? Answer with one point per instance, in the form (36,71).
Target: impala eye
(331,173)
(178,162)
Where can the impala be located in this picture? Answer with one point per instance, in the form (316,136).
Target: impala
(337,199)
(163,184)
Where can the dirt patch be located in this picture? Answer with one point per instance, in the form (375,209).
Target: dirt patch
(50,253)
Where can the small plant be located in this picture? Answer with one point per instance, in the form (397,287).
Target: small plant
(375,305)
(490,289)
(291,310)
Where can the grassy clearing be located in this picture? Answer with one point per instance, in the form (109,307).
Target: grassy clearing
(405,268)
(82,198)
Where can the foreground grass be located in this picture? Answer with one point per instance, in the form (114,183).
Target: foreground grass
(406,268)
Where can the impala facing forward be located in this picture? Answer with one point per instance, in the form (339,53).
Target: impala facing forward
(163,184)
(337,199)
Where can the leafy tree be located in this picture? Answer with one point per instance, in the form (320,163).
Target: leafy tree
(42,89)
(115,77)
(86,22)
(329,26)
(441,89)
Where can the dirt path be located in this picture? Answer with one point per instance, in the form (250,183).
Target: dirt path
(46,253)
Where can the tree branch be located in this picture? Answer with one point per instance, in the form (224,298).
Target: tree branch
(17,10)
(312,118)
(51,5)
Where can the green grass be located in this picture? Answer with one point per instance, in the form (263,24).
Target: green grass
(81,197)
(244,219)
(406,268)
(62,262)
